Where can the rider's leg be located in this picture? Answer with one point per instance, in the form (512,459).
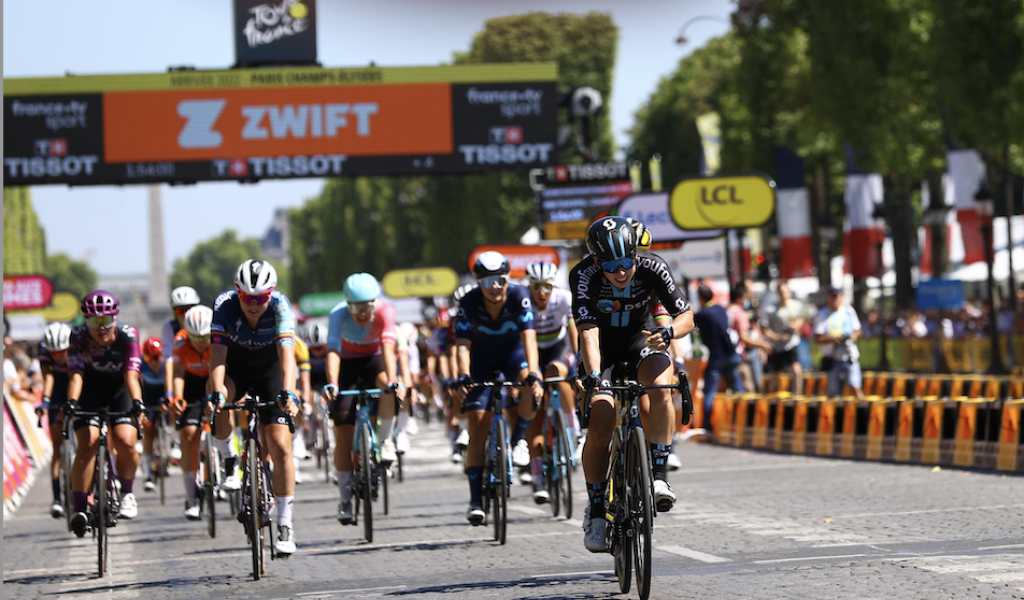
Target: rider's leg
(122,443)
(85,463)
(279,446)
(479,427)
(596,450)
(190,437)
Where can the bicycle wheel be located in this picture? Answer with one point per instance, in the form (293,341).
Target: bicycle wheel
(163,463)
(641,507)
(501,485)
(210,467)
(366,468)
(398,466)
(67,458)
(622,549)
(382,473)
(254,502)
(101,507)
(562,462)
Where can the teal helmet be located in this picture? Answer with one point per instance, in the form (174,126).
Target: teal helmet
(361,287)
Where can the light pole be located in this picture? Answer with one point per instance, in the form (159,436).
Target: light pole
(682,40)
(984,207)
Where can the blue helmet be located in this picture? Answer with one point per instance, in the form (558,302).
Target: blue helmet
(361,287)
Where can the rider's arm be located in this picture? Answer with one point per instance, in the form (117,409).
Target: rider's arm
(179,380)
(590,335)
(574,335)
(333,366)
(286,355)
(131,381)
(218,368)
(529,338)
(462,346)
(75,385)
(390,362)
(47,381)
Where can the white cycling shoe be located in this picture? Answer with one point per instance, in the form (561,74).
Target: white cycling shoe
(285,544)
(462,440)
(192,509)
(129,506)
(664,497)
(595,533)
(521,454)
(388,453)
(673,462)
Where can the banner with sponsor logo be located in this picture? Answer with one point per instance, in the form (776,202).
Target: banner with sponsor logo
(519,256)
(275,32)
(651,209)
(16,463)
(27,291)
(246,125)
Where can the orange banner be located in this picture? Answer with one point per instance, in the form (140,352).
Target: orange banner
(519,256)
(377,120)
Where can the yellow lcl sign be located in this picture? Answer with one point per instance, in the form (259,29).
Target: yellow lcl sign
(723,202)
(420,283)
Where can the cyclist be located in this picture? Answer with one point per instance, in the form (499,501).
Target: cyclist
(182,299)
(191,372)
(494,330)
(253,348)
(458,423)
(299,440)
(316,336)
(613,290)
(103,371)
(557,341)
(53,361)
(440,375)
(154,400)
(361,342)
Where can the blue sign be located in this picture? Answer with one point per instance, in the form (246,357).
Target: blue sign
(942,294)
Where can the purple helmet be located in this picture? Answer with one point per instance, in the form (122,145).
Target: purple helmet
(98,303)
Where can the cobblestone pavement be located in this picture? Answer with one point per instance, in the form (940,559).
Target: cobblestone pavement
(747,525)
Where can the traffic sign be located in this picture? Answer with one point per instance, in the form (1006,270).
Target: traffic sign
(420,283)
(723,202)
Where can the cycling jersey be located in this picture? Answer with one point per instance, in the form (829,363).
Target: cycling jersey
(552,322)
(620,313)
(276,327)
(45,359)
(438,341)
(105,365)
(60,380)
(168,332)
(196,364)
(474,323)
(301,356)
(353,341)
(152,384)
(318,367)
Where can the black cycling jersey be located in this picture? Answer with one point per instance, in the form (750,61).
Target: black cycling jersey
(621,313)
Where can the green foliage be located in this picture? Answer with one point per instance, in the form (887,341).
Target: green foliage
(210,267)
(582,45)
(24,242)
(70,275)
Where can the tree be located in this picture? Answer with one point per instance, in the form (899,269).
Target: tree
(210,267)
(70,275)
(24,242)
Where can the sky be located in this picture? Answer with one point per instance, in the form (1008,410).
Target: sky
(107,225)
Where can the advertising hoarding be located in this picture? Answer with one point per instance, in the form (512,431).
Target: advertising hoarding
(567,210)
(728,201)
(253,124)
(651,209)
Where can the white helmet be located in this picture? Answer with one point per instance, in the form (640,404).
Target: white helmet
(317,335)
(57,337)
(543,272)
(255,276)
(198,320)
(184,296)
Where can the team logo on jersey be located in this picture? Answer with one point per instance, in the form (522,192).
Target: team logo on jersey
(608,306)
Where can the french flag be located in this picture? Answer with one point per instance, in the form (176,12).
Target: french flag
(966,172)
(792,215)
(860,243)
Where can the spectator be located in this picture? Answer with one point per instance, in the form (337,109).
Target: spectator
(720,341)
(740,322)
(837,331)
(782,326)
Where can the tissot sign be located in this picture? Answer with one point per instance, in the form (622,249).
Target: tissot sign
(278,123)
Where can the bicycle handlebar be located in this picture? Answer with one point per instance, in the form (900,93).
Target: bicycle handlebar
(102,413)
(368,392)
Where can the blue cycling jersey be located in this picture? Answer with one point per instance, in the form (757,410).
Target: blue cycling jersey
(474,323)
(276,327)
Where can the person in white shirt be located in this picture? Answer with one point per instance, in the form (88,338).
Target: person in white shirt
(781,328)
(837,331)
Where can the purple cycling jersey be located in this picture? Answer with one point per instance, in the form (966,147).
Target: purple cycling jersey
(108,364)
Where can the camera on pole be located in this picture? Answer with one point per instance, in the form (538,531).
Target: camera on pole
(585,101)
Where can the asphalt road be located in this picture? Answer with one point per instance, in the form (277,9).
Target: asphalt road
(747,525)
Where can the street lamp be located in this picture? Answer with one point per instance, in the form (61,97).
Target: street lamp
(681,40)
(984,207)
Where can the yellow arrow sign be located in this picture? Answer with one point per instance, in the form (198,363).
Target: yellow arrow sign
(723,202)
(420,283)
(63,307)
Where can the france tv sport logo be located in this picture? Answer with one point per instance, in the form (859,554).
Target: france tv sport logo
(608,306)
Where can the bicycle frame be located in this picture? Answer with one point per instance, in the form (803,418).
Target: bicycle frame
(364,491)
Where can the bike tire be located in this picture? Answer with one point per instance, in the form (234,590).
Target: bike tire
(641,508)
(102,498)
(255,528)
(164,462)
(366,467)
(562,466)
(398,465)
(622,549)
(67,462)
(325,448)
(210,468)
(383,476)
(502,484)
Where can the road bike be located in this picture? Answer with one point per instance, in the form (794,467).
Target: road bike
(105,506)
(630,502)
(367,472)
(161,452)
(558,452)
(257,494)
(209,476)
(323,435)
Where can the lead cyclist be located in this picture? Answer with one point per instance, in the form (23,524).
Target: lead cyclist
(613,290)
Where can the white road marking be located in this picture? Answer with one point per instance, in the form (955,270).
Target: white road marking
(993,569)
(573,574)
(354,591)
(694,554)
(803,558)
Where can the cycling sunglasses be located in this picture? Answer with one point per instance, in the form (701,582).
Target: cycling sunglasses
(613,266)
(542,286)
(254,299)
(101,321)
(494,281)
(181,310)
(199,339)
(360,308)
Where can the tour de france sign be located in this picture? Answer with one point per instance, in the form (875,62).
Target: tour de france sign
(723,202)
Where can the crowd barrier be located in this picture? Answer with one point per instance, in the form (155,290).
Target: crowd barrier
(27,449)
(971,421)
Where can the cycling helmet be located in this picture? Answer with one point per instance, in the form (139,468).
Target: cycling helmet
(429,312)
(611,238)
(198,320)
(490,263)
(98,303)
(361,287)
(57,337)
(184,296)
(317,335)
(153,348)
(255,277)
(461,292)
(541,272)
(643,235)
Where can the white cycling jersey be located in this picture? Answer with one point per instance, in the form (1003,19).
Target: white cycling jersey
(552,322)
